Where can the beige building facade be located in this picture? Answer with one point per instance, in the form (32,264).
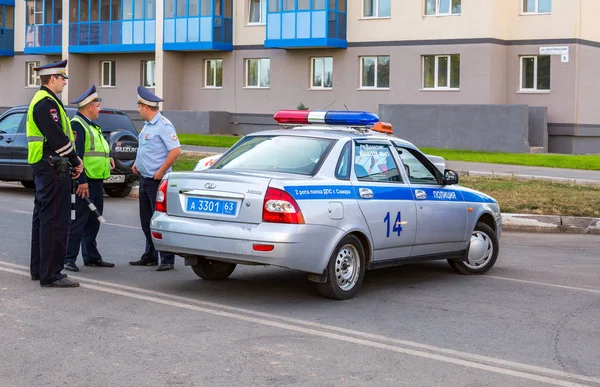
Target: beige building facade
(531,52)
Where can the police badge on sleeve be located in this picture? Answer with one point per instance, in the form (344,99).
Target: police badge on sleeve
(54,115)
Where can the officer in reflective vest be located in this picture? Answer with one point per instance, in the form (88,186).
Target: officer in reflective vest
(54,161)
(158,150)
(94,150)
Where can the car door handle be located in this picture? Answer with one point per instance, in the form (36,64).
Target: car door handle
(9,140)
(420,194)
(365,193)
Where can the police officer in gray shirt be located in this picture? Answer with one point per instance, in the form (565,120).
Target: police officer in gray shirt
(158,149)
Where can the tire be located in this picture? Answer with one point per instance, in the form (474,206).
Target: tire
(117,190)
(213,270)
(483,252)
(28,184)
(345,271)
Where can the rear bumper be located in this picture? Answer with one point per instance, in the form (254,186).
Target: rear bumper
(299,247)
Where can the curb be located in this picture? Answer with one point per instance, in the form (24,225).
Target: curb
(550,224)
(530,177)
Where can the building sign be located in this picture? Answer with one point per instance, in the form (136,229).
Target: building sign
(563,51)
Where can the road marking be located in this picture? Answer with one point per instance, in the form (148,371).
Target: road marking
(365,339)
(544,284)
(108,224)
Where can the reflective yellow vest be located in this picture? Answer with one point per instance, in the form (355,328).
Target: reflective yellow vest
(97,151)
(35,138)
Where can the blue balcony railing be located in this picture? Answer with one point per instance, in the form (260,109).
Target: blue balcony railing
(306,24)
(7,42)
(43,39)
(198,33)
(112,36)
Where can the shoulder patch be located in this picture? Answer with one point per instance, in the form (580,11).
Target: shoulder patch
(54,115)
(75,133)
(173,135)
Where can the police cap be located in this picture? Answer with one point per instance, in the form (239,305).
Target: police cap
(147,97)
(90,95)
(57,68)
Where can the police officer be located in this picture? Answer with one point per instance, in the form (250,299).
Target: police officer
(158,149)
(50,153)
(94,150)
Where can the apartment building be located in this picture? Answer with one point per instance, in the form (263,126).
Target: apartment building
(256,56)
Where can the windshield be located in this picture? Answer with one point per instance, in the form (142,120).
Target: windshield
(289,154)
(109,122)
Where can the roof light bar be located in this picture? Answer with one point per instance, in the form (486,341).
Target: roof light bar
(331,117)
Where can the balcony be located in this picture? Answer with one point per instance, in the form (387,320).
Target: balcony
(306,24)
(7,33)
(112,36)
(198,25)
(43,39)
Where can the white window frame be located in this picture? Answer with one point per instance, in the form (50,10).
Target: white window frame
(537,8)
(144,69)
(437,9)
(32,74)
(535,75)
(436,85)
(263,14)
(247,71)
(360,70)
(104,82)
(312,72)
(376,15)
(214,85)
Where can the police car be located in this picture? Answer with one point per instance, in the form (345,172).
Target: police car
(332,194)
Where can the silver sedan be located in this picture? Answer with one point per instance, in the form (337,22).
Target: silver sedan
(332,202)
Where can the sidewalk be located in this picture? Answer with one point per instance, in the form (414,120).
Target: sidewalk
(510,222)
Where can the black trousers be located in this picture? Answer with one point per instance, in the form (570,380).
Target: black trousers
(84,229)
(50,224)
(147,200)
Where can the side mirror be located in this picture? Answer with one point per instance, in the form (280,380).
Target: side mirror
(450,177)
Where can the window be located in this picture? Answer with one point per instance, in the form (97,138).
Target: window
(537,6)
(418,169)
(376,8)
(257,11)
(10,124)
(442,7)
(287,154)
(258,73)
(342,170)
(148,73)
(214,73)
(322,73)
(33,79)
(535,72)
(374,162)
(375,72)
(108,73)
(441,71)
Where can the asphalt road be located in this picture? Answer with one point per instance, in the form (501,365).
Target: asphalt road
(534,320)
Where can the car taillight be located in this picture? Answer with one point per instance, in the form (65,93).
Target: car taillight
(161,197)
(280,207)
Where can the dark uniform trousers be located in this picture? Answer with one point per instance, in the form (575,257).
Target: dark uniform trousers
(85,227)
(147,191)
(50,225)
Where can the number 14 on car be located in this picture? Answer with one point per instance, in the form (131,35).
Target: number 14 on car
(396,226)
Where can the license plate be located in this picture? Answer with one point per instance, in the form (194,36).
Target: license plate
(115,179)
(212,206)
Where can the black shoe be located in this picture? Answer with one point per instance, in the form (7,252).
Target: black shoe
(62,283)
(99,263)
(142,262)
(165,267)
(71,266)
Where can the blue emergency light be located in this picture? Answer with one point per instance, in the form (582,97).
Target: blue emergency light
(332,117)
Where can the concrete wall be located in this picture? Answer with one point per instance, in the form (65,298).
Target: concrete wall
(479,127)
(538,127)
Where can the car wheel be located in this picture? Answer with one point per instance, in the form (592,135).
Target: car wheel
(483,252)
(117,190)
(345,271)
(213,270)
(28,184)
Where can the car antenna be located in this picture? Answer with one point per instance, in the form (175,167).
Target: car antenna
(330,104)
(346,107)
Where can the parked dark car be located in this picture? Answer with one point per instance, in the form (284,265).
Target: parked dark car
(117,128)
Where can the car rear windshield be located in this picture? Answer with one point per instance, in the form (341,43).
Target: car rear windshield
(288,154)
(110,122)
